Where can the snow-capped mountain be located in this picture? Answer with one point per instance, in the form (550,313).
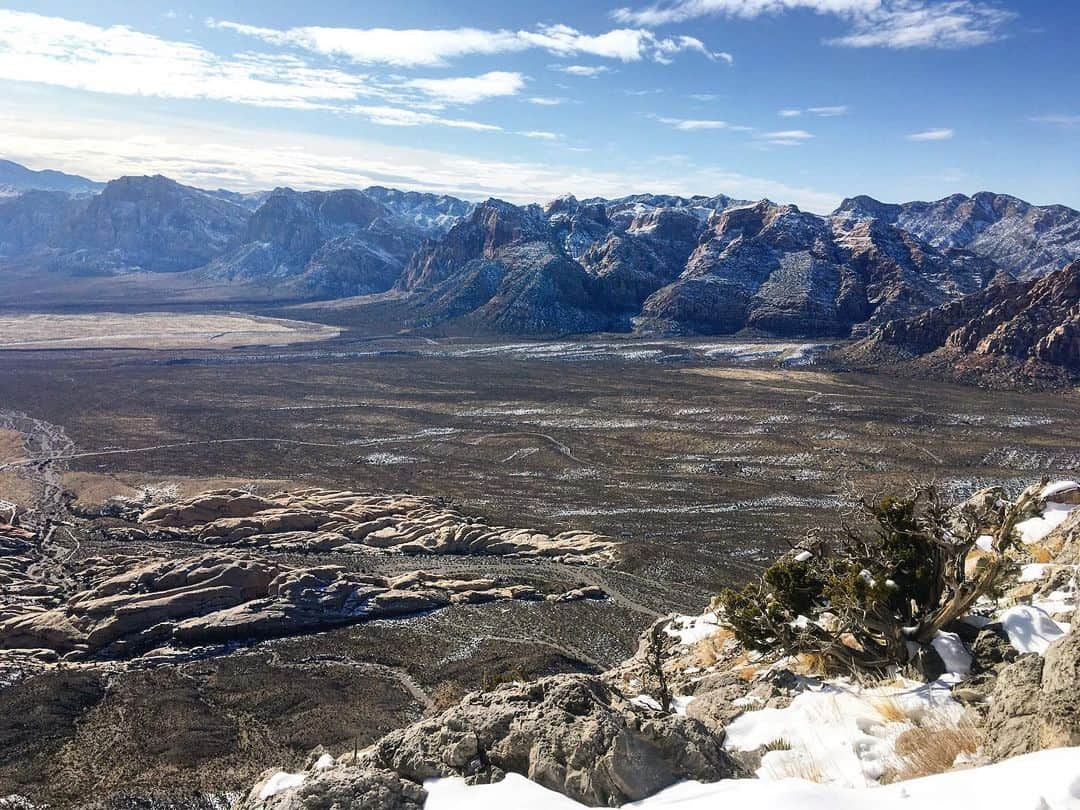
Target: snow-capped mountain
(1027,240)
(654,263)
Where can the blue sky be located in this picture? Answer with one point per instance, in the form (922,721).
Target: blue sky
(803,101)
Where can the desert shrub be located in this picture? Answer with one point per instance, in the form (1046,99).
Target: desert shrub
(888,583)
(493,680)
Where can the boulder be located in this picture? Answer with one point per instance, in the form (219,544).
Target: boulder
(570,733)
(1036,702)
(355,788)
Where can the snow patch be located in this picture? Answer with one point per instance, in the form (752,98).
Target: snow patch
(692,629)
(841,728)
(1047,780)
(1030,628)
(279,782)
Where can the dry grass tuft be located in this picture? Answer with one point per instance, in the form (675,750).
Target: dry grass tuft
(1039,554)
(809,664)
(796,765)
(890,709)
(933,748)
(711,648)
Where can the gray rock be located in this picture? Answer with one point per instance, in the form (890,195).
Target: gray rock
(1036,702)
(342,788)
(573,734)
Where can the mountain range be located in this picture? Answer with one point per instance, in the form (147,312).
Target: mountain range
(653,264)
(1011,334)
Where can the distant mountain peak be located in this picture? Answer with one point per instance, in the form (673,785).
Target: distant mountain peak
(17,178)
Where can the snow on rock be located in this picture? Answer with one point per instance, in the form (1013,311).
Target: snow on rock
(1030,628)
(954,654)
(692,629)
(1047,780)
(1035,529)
(1057,487)
(279,782)
(841,730)
(1032,572)
(324,762)
(647,702)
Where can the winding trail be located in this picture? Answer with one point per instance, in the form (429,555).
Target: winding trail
(559,447)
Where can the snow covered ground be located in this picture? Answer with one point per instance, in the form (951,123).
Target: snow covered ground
(1047,780)
(841,733)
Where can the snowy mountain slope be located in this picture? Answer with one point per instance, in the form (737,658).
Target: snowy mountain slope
(1027,240)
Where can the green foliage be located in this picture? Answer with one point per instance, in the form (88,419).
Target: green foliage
(860,599)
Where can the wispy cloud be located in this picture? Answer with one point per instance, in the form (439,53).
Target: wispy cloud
(785,137)
(821,112)
(119,60)
(941,134)
(921,24)
(540,135)
(246,159)
(400,117)
(692,124)
(547,101)
(588,71)
(1058,119)
(410,47)
(470,89)
(873,23)
(698,124)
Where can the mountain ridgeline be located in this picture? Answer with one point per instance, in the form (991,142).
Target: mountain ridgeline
(653,264)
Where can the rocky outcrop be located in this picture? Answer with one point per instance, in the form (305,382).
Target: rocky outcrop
(150,223)
(775,269)
(1026,240)
(573,734)
(320,243)
(337,788)
(325,520)
(1011,333)
(28,220)
(234,596)
(1036,701)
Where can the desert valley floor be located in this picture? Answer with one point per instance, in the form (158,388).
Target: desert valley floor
(702,458)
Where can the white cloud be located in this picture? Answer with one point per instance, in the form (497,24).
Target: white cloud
(547,101)
(661,13)
(642,93)
(785,137)
(400,117)
(541,135)
(588,71)
(821,112)
(874,23)
(122,61)
(246,159)
(470,89)
(941,134)
(704,97)
(410,47)
(691,124)
(920,24)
